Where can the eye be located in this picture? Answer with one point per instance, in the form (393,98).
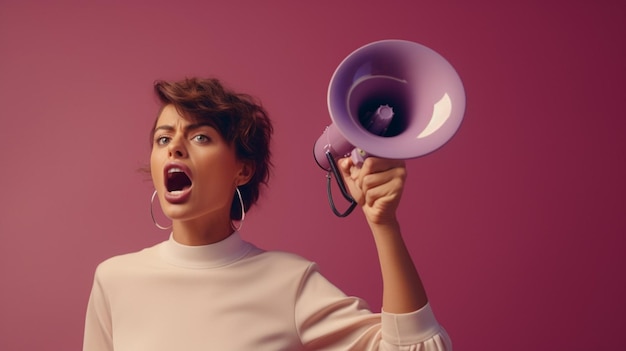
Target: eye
(162,140)
(201,138)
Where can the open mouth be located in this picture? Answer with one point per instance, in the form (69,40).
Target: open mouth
(177,180)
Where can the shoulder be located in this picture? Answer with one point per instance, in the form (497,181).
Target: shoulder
(281,257)
(282,263)
(126,262)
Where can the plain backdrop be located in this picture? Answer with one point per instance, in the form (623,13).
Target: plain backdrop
(517,225)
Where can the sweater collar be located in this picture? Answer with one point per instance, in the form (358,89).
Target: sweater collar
(214,255)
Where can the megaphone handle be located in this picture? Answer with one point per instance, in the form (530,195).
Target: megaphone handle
(342,187)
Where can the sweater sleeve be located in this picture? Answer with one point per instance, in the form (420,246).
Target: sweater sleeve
(98,330)
(328,319)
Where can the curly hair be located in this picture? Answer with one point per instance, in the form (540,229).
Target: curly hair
(239,118)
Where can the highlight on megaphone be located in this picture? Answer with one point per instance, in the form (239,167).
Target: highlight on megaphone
(393,99)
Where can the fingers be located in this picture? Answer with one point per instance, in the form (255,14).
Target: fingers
(349,173)
(384,188)
(370,166)
(378,179)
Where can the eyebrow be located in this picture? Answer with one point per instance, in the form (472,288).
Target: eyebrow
(187,128)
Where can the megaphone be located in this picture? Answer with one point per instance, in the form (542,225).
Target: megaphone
(392,99)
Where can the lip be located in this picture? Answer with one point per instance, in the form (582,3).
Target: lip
(181,196)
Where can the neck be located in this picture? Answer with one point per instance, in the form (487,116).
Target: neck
(200,231)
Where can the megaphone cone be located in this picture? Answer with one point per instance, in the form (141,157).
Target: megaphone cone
(420,87)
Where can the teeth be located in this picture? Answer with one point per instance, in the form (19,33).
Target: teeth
(174,169)
(176,192)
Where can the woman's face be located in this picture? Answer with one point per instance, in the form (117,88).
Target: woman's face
(194,170)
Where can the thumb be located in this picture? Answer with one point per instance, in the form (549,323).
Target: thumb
(345,164)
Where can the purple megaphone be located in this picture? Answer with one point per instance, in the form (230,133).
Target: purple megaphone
(392,99)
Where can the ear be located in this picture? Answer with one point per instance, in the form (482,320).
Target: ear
(245,173)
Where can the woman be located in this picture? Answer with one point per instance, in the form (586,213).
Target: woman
(207,289)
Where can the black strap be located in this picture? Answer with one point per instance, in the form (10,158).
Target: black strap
(342,187)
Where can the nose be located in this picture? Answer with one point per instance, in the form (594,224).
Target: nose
(176,148)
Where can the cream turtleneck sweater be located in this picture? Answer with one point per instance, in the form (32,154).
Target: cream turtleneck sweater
(232,295)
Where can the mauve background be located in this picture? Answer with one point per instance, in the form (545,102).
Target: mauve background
(517,225)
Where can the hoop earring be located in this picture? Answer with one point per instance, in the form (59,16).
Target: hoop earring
(243,211)
(152,213)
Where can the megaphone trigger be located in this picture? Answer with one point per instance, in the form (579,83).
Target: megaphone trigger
(358,156)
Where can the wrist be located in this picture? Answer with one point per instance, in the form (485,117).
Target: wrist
(384,226)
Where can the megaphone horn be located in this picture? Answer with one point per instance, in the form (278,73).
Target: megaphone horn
(392,99)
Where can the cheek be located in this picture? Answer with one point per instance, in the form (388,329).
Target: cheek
(155,170)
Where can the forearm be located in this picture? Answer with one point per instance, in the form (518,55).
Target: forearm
(403,291)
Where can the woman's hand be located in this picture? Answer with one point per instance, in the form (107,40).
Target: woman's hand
(376,186)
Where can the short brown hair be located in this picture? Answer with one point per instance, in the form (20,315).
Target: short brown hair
(240,119)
